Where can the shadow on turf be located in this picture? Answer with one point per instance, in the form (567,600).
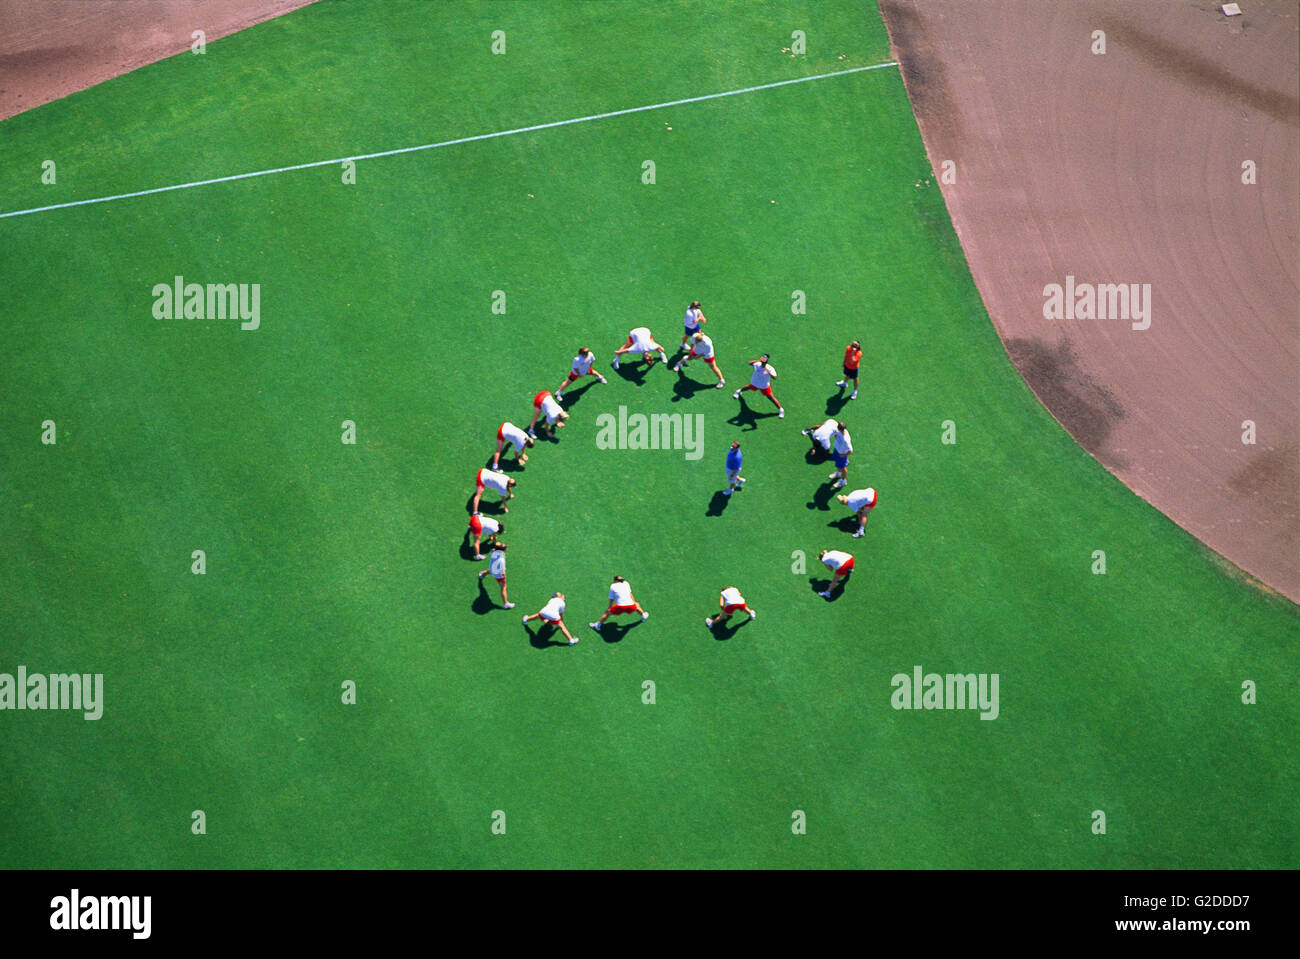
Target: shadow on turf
(836,402)
(574,397)
(612,632)
(816,455)
(685,387)
(747,419)
(541,638)
(724,631)
(820,585)
(467,547)
(717,504)
(822,498)
(845,524)
(496,508)
(483,604)
(634,375)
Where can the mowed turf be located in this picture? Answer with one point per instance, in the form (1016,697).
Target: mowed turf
(326,562)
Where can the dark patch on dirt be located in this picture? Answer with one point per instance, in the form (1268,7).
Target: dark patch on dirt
(924,74)
(1086,409)
(1199,72)
(1270,469)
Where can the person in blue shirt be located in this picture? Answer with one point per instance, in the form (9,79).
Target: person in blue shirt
(734,479)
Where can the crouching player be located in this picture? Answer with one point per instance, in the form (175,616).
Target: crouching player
(822,436)
(620,601)
(553,613)
(840,564)
(496,481)
(497,567)
(482,527)
(507,432)
(581,367)
(731,602)
(544,403)
(861,502)
(640,342)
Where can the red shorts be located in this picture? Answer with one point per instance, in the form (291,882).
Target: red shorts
(621,609)
(573,376)
(766,390)
(500,437)
(630,342)
(845,569)
(537,400)
(476,524)
(478,485)
(733,608)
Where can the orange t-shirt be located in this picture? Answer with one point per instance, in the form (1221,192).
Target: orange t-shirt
(851,358)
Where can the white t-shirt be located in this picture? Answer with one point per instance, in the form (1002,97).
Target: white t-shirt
(731,597)
(552,409)
(554,609)
(859,498)
(487,526)
(515,435)
(497,563)
(493,480)
(703,349)
(620,594)
(761,377)
(582,364)
(824,432)
(642,340)
(835,559)
(843,444)
(692,319)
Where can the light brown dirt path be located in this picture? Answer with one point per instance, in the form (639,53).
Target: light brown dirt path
(51,48)
(1127,168)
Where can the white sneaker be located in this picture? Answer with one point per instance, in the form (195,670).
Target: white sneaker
(853,395)
(595,626)
(559,396)
(806,432)
(616,362)
(753,615)
(677,368)
(508,606)
(644,617)
(533,434)
(841,384)
(481,572)
(833,475)
(574,641)
(743,481)
(826,594)
(721,384)
(525,620)
(839,485)
(663,357)
(708,621)
(780,414)
(858,534)
(736,395)
(602,379)
(725,492)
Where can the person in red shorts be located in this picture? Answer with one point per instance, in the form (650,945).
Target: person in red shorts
(852,359)
(581,367)
(508,433)
(840,564)
(731,602)
(620,601)
(498,482)
(544,403)
(761,381)
(481,526)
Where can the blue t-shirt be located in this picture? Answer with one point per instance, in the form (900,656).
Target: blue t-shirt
(734,459)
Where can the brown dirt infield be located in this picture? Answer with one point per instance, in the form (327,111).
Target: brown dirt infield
(1126,167)
(51,48)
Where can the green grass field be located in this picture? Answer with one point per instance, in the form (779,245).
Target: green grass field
(328,562)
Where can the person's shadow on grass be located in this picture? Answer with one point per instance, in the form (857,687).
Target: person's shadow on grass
(821,585)
(541,637)
(685,387)
(724,631)
(572,399)
(634,374)
(816,455)
(482,604)
(836,402)
(718,504)
(845,524)
(822,498)
(612,632)
(746,418)
(495,507)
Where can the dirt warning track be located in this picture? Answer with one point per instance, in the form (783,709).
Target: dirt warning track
(1170,165)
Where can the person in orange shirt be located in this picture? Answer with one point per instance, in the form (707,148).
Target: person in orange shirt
(852,358)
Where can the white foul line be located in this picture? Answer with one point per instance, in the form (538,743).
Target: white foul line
(446,143)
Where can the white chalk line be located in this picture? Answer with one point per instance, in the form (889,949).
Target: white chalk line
(445,143)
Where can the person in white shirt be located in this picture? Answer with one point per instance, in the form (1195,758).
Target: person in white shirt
(731,602)
(640,342)
(553,613)
(507,432)
(484,526)
(861,502)
(840,450)
(581,367)
(497,567)
(620,601)
(840,564)
(822,436)
(691,323)
(496,481)
(544,403)
(762,382)
(702,349)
